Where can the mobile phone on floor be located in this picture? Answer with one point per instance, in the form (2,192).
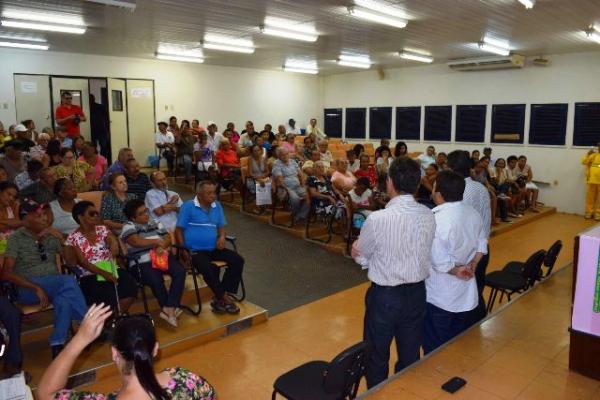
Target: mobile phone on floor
(454,384)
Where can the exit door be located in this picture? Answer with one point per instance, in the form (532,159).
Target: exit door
(117,115)
(32,99)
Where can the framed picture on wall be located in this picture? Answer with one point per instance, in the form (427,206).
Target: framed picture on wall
(76,94)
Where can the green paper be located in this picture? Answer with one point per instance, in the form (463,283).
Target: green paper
(108,266)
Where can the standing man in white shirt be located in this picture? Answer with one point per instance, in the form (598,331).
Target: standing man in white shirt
(165,142)
(477,196)
(395,245)
(291,128)
(459,244)
(162,203)
(313,128)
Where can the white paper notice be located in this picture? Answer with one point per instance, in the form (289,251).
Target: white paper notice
(29,87)
(141,92)
(15,388)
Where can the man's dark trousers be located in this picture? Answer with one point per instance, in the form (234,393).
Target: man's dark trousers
(480,311)
(393,312)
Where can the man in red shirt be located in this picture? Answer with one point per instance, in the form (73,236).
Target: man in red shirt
(69,115)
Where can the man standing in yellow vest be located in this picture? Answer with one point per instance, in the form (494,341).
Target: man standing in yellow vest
(592,175)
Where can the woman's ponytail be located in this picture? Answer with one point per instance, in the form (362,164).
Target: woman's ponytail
(144,370)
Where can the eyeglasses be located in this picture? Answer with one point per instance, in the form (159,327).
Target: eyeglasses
(42,251)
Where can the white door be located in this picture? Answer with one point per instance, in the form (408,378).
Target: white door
(117,114)
(140,112)
(32,100)
(79,88)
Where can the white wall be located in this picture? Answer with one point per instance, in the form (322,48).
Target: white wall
(569,79)
(188,91)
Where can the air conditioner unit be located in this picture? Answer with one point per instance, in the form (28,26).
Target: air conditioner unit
(486,63)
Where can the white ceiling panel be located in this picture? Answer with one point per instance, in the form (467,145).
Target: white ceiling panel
(446,29)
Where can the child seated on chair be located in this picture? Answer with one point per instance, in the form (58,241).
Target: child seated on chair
(204,157)
(362,201)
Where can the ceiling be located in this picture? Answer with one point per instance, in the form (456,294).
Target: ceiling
(445,28)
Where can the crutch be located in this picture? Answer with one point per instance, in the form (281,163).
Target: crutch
(113,271)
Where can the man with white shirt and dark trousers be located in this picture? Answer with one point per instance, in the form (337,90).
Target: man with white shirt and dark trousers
(477,196)
(395,245)
(459,244)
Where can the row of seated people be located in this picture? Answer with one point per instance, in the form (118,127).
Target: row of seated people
(88,241)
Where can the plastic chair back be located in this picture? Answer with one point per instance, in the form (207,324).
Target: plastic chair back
(551,256)
(345,371)
(95,197)
(533,267)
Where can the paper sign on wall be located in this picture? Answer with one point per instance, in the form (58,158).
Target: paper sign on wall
(141,92)
(29,87)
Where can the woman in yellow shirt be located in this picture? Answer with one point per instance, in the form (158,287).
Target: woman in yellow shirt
(79,172)
(592,178)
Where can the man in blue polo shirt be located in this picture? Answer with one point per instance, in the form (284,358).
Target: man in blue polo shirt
(200,228)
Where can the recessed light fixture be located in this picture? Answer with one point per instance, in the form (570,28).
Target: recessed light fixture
(354,61)
(289,30)
(301,66)
(169,57)
(29,46)
(26,38)
(377,12)
(53,18)
(408,55)
(496,46)
(593,33)
(179,53)
(527,3)
(129,4)
(222,43)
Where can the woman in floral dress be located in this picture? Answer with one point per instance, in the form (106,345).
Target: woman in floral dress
(133,349)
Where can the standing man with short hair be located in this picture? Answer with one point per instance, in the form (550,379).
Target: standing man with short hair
(69,115)
(165,142)
(460,242)
(477,196)
(395,245)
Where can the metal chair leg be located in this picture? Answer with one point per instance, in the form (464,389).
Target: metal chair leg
(198,298)
(491,300)
(274,395)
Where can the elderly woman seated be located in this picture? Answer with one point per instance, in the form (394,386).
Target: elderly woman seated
(113,201)
(342,179)
(151,241)
(325,199)
(93,248)
(325,154)
(287,174)
(79,172)
(366,170)
(290,145)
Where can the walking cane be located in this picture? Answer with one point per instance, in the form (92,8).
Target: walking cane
(113,271)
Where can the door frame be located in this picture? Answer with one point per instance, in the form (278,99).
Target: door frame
(50,76)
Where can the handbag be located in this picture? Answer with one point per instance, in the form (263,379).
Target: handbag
(159,261)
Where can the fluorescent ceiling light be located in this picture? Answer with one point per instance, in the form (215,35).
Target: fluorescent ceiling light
(117,3)
(224,47)
(289,35)
(26,38)
(493,49)
(168,57)
(43,27)
(593,35)
(215,42)
(290,25)
(503,44)
(300,70)
(28,46)
(52,18)
(381,8)
(415,57)
(375,17)
(527,3)
(353,64)
(179,51)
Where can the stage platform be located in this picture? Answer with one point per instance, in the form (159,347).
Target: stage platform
(96,363)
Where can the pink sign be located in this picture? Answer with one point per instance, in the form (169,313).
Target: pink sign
(586,307)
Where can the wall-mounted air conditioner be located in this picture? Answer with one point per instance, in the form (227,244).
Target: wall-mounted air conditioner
(486,63)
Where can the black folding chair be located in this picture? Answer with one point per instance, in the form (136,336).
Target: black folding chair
(322,380)
(220,264)
(509,283)
(329,219)
(549,261)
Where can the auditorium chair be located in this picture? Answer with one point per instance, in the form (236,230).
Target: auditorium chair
(281,198)
(549,261)
(353,232)
(95,197)
(220,264)
(247,180)
(328,220)
(509,283)
(322,380)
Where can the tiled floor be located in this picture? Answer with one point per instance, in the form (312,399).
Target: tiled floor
(521,353)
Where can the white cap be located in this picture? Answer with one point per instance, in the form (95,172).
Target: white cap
(210,123)
(20,128)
